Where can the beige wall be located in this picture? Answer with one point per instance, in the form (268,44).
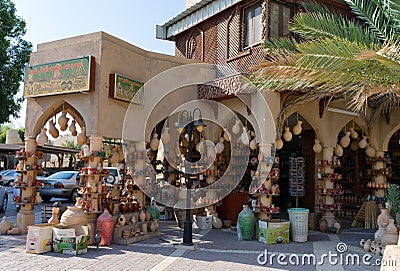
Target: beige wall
(102,115)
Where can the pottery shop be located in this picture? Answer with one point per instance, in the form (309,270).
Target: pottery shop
(170,124)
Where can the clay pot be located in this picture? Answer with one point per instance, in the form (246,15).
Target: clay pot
(367,245)
(287,135)
(123,207)
(323,225)
(53,130)
(390,236)
(317,148)
(42,138)
(152,226)
(278,143)
(148,215)
(363,142)
(370,151)
(135,204)
(81,138)
(142,216)
(63,121)
(297,128)
(73,216)
(345,140)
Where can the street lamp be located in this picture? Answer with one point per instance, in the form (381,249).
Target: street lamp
(199,125)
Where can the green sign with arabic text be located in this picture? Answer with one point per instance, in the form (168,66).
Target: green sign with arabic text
(125,89)
(68,76)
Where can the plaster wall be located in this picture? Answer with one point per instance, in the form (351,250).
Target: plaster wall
(101,115)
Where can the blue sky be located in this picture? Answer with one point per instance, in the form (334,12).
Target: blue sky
(131,20)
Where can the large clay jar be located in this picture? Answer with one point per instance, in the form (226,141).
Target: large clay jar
(73,216)
(63,121)
(81,138)
(152,226)
(53,130)
(383,221)
(142,216)
(135,204)
(54,216)
(390,236)
(246,222)
(105,223)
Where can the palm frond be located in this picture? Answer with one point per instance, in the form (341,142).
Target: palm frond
(387,103)
(281,44)
(330,25)
(375,14)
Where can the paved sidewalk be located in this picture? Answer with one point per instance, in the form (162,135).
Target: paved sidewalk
(217,250)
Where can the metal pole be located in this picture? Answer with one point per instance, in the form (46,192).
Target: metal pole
(187,225)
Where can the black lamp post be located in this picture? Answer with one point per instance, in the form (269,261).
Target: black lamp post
(187,225)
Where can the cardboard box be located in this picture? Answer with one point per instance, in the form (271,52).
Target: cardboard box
(273,232)
(66,242)
(39,238)
(204,222)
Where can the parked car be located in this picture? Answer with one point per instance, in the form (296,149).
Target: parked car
(3,199)
(114,176)
(62,184)
(7,177)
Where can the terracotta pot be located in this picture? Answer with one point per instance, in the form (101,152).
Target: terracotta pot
(73,216)
(142,216)
(323,225)
(53,130)
(135,205)
(148,215)
(123,207)
(81,138)
(63,121)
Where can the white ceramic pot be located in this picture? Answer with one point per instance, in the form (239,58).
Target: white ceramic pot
(353,133)
(154,142)
(370,151)
(236,127)
(317,148)
(42,138)
(363,142)
(279,143)
(338,150)
(345,140)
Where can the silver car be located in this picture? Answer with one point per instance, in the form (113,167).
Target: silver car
(7,177)
(62,184)
(3,199)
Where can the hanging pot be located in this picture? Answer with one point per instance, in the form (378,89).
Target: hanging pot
(219,147)
(317,148)
(244,137)
(236,127)
(287,135)
(345,140)
(363,142)
(253,144)
(72,128)
(338,150)
(81,138)
(227,136)
(297,128)
(353,133)
(53,130)
(63,121)
(165,137)
(154,142)
(370,151)
(42,138)
(278,143)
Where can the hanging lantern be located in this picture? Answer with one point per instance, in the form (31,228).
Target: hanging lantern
(154,142)
(297,128)
(72,128)
(345,140)
(63,121)
(338,150)
(165,137)
(244,137)
(370,151)
(236,127)
(219,147)
(287,135)
(317,148)
(353,133)
(42,138)
(81,138)
(363,142)
(53,130)
(278,143)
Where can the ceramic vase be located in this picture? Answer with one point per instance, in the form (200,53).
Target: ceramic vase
(72,128)
(383,221)
(363,142)
(54,216)
(73,216)
(154,142)
(165,137)
(142,216)
(370,151)
(63,121)
(152,226)
(278,143)
(219,147)
(287,135)
(345,140)
(81,138)
(338,150)
(53,130)
(236,127)
(317,148)
(390,236)
(42,138)
(297,128)
(353,133)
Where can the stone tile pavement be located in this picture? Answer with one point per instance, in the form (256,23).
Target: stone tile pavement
(216,250)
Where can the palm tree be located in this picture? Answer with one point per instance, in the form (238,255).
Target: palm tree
(336,57)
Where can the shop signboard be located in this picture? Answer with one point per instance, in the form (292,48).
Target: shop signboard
(125,89)
(67,76)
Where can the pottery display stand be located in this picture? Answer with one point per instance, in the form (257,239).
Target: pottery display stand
(132,232)
(263,207)
(27,185)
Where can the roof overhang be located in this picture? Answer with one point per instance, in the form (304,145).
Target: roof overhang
(192,16)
